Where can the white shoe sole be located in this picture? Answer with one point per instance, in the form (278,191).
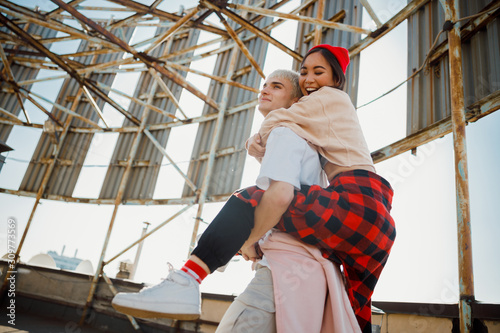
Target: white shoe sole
(141,313)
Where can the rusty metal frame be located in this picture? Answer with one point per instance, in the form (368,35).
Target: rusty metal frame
(164,67)
(465,269)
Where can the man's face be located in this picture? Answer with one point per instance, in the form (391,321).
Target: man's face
(276,93)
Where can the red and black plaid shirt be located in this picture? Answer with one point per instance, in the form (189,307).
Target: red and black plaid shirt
(350,223)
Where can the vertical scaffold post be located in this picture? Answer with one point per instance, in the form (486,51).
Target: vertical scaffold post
(465,271)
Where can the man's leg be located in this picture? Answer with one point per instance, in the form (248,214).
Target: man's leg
(178,296)
(253,310)
(226,234)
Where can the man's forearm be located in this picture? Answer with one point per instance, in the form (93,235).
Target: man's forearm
(268,212)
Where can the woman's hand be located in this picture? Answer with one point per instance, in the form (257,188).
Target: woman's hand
(255,148)
(250,252)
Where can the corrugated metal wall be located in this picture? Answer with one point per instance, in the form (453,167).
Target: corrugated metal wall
(75,147)
(9,101)
(228,167)
(147,162)
(353,16)
(481,55)
(429,92)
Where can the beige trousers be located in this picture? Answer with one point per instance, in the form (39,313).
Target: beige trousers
(253,310)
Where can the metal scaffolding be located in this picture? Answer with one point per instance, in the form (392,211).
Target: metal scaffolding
(164,60)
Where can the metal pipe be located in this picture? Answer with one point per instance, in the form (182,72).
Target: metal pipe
(11,80)
(301,18)
(371,12)
(172,30)
(150,233)
(121,191)
(114,292)
(402,15)
(258,32)
(139,250)
(241,45)
(213,146)
(164,152)
(41,191)
(465,269)
(118,199)
(318,31)
(165,88)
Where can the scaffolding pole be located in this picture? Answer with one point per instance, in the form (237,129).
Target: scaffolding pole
(213,146)
(465,270)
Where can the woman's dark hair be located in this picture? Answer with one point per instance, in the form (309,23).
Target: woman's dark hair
(338,74)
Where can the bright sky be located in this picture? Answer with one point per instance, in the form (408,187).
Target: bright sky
(423,263)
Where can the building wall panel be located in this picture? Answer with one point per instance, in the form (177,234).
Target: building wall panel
(429,92)
(76,145)
(228,167)
(147,162)
(8,101)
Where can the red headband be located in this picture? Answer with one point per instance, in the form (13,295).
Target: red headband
(342,54)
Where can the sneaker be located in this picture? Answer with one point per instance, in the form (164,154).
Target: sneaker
(177,297)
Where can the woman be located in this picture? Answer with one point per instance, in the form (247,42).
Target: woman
(349,221)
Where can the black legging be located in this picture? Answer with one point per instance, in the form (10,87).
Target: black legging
(227,233)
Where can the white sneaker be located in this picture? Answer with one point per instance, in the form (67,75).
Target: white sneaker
(178,297)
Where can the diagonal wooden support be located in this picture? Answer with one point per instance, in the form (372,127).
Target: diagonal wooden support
(371,12)
(63,109)
(173,29)
(95,106)
(249,26)
(146,59)
(62,64)
(140,8)
(138,101)
(164,152)
(241,45)
(114,292)
(40,106)
(60,10)
(161,225)
(21,9)
(304,19)
(10,115)
(165,88)
(56,25)
(124,21)
(213,77)
(12,82)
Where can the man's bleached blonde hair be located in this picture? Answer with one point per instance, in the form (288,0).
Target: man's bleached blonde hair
(291,76)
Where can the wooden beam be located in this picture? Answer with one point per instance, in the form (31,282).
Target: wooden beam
(241,45)
(146,59)
(303,19)
(249,26)
(140,8)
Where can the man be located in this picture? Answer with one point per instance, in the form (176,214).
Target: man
(178,295)
(254,309)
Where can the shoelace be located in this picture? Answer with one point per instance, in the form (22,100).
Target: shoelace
(164,281)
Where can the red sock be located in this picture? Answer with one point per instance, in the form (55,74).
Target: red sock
(194,270)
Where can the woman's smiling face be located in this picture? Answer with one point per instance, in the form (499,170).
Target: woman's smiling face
(315,73)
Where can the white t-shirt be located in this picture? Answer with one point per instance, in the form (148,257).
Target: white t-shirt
(290,159)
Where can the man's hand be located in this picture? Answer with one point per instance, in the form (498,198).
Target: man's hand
(255,148)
